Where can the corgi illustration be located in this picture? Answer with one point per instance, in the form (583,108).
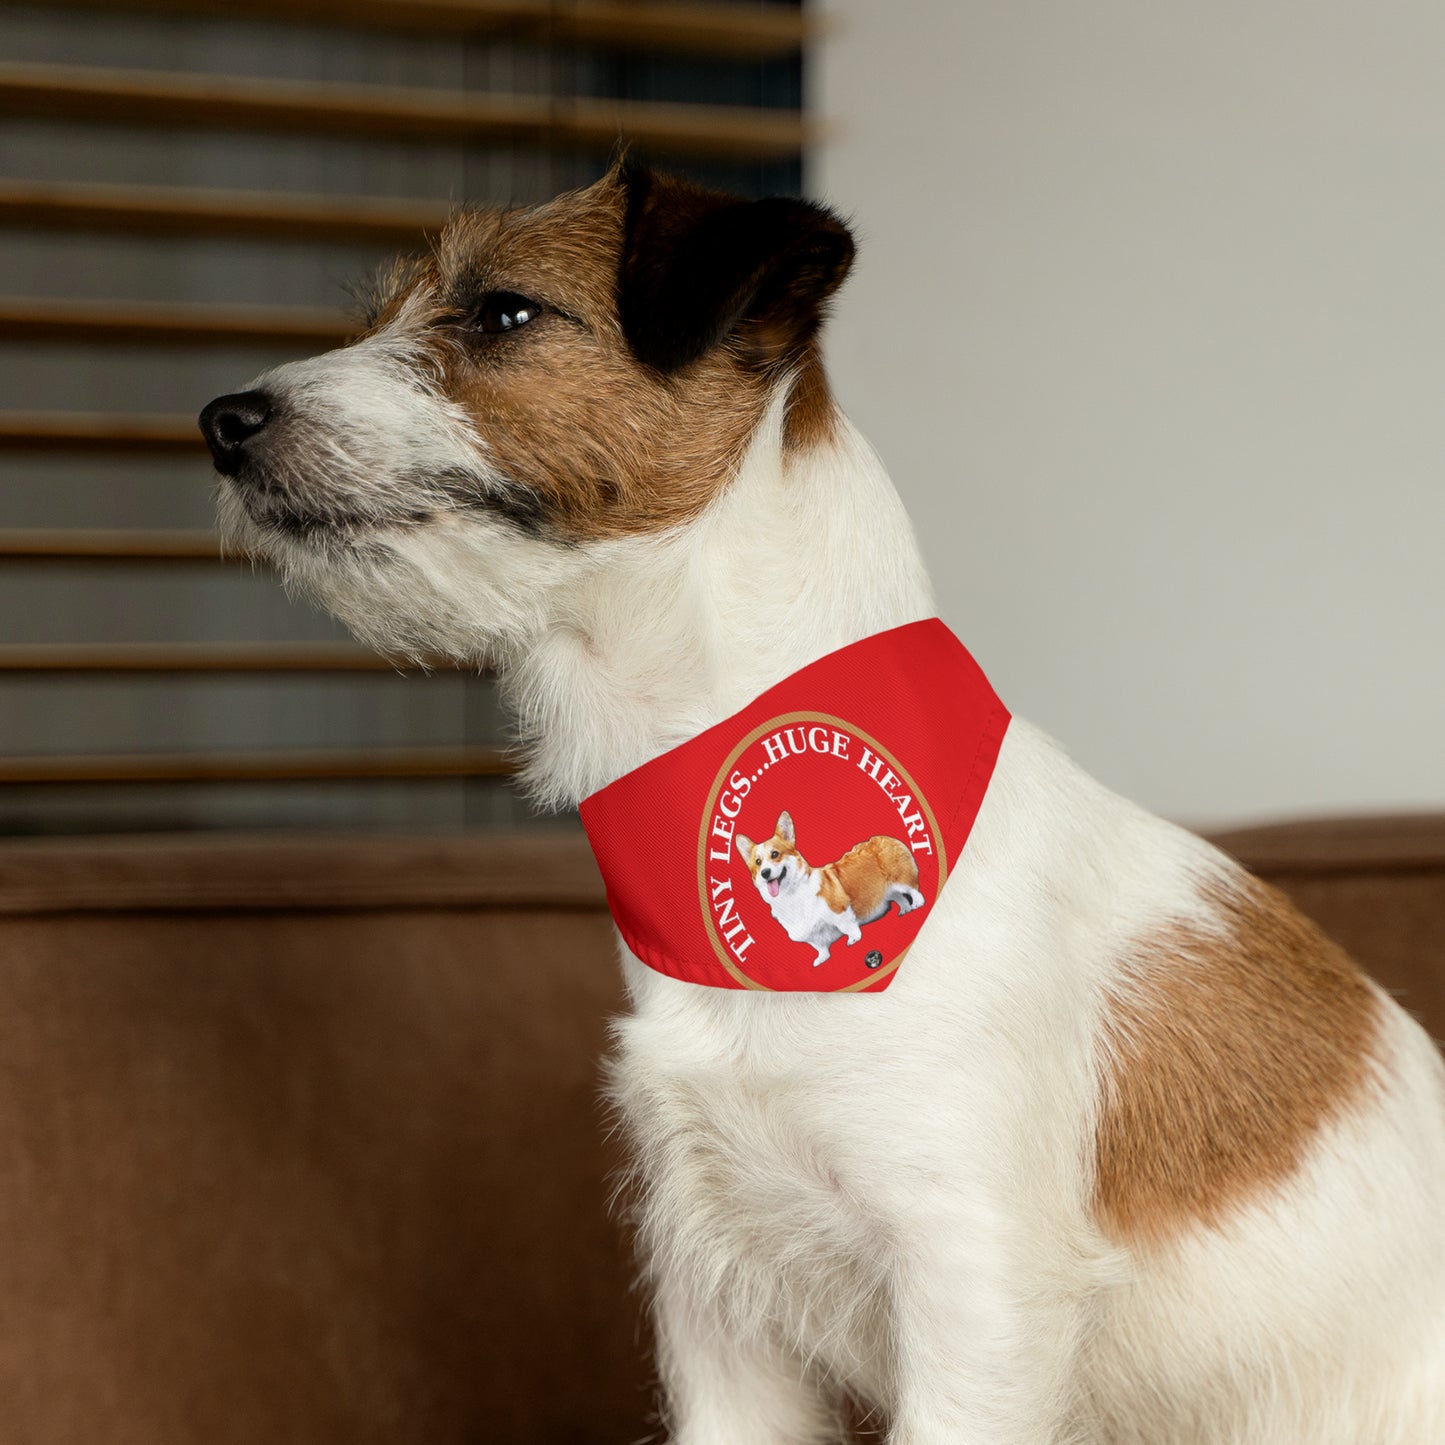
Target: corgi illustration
(822,905)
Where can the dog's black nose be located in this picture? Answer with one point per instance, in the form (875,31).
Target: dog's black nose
(229,422)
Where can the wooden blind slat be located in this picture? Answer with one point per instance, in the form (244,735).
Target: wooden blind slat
(169,323)
(707,29)
(756,32)
(258,767)
(76,544)
(79,431)
(216,102)
(175,210)
(140,657)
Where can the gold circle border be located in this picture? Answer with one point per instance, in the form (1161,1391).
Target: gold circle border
(879,750)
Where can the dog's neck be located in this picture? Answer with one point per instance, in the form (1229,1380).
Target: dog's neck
(803,553)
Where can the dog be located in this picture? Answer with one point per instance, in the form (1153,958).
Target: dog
(820,906)
(1129,1154)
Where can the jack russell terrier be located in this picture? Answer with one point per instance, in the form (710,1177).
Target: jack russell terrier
(1126,1152)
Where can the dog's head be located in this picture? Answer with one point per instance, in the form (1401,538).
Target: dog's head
(775,865)
(546,382)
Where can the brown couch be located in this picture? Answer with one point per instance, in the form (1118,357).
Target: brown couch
(300,1139)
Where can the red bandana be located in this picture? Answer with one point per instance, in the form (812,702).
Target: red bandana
(824,818)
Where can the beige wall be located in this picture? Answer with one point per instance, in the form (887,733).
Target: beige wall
(1149,323)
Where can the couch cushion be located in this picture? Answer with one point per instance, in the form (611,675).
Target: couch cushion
(302,1142)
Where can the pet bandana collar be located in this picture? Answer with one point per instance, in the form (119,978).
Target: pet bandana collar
(801,844)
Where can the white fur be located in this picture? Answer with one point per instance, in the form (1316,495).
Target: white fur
(890,1194)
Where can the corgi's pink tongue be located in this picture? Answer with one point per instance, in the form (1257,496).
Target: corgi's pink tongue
(772,887)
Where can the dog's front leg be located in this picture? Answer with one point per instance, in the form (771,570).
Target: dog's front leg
(984,1355)
(723,1388)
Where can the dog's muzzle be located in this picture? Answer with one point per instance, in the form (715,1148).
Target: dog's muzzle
(230,422)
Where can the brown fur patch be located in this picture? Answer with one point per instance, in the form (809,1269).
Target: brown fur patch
(1226,1053)
(812,415)
(860,878)
(604,445)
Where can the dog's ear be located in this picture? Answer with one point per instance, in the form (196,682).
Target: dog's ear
(785,827)
(701,266)
(745,847)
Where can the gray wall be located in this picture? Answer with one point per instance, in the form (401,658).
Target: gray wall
(1149,324)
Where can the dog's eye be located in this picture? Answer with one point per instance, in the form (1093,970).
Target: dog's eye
(773,854)
(504,311)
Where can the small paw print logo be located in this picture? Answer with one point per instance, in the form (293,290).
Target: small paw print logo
(874,959)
